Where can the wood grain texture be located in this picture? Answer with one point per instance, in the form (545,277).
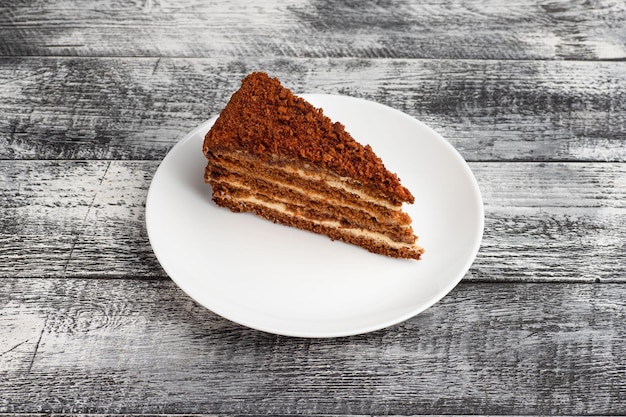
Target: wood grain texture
(93,94)
(544,222)
(136,108)
(78,218)
(463,29)
(120,346)
(552,221)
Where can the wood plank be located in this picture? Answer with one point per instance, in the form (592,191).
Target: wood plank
(135,108)
(58,217)
(544,222)
(122,346)
(553,221)
(468,29)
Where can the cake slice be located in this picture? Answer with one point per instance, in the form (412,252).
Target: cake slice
(276,155)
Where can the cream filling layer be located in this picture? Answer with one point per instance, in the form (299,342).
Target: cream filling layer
(281,208)
(318,197)
(338,183)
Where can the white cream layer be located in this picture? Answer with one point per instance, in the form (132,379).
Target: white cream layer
(281,208)
(308,193)
(339,183)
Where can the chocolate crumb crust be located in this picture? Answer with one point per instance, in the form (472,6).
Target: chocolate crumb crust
(266,119)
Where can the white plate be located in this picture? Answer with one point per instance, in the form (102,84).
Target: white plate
(287,281)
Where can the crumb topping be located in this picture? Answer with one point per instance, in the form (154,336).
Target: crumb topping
(266,119)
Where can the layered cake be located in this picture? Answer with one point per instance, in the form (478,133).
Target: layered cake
(274,154)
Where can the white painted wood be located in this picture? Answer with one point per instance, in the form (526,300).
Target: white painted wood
(88,108)
(544,222)
(94,93)
(124,346)
(553,221)
(468,29)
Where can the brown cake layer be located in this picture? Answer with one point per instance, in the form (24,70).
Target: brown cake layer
(300,206)
(335,233)
(273,191)
(273,154)
(314,184)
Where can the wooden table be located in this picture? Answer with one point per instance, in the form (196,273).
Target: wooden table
(94,94)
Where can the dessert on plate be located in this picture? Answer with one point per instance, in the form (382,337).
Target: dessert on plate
(274,154)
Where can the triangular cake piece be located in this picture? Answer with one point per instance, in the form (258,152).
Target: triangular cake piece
(276,155)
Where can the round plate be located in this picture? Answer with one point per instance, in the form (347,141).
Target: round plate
(291,282)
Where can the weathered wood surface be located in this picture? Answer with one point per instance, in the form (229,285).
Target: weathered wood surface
(88,108)
(466,29)
(557,221)
(93,94)
(123,346)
